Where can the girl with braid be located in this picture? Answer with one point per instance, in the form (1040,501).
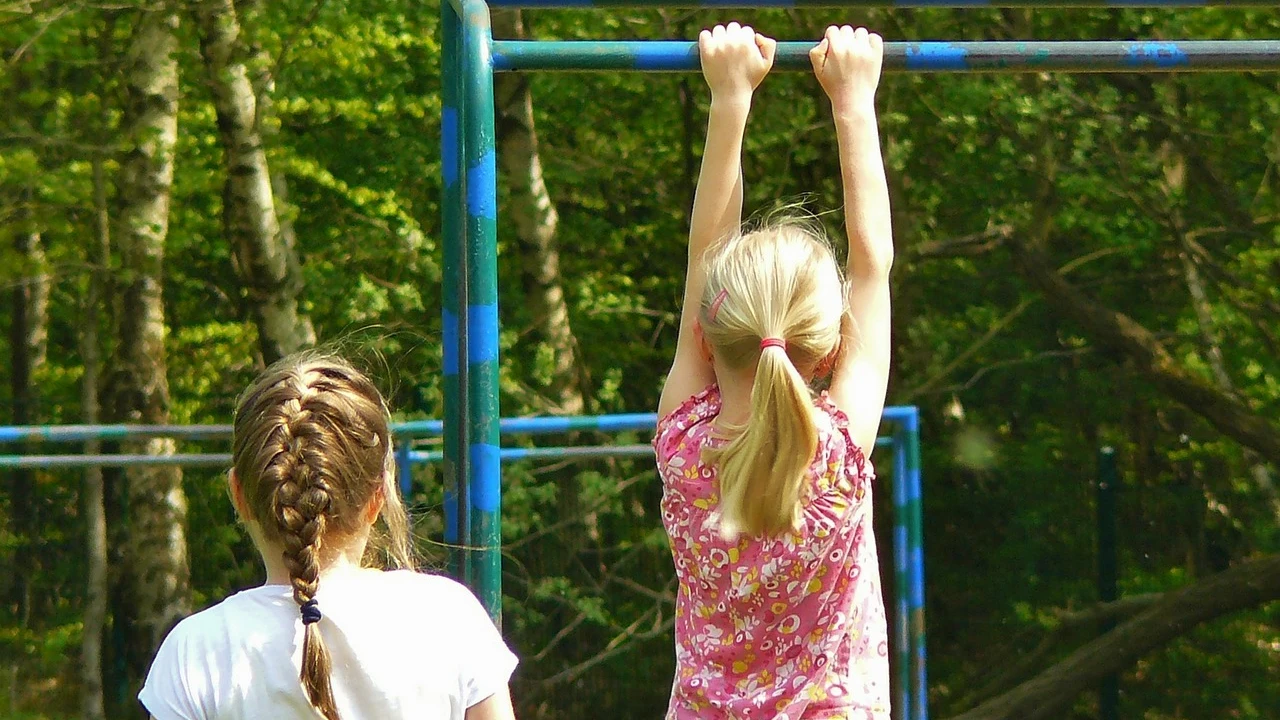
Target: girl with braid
(766,483)
(325,636)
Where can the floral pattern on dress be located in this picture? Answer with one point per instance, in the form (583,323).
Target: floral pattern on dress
(778,628)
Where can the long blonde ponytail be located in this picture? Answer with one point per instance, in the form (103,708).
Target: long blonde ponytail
(774,300)
(762,470)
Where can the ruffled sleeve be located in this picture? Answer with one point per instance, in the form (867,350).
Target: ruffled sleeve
(674,427)
(858,467)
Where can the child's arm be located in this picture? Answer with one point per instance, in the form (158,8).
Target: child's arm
(495,707)
(734,61)
(847,63)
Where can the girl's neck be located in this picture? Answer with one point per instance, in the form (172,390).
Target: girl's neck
(735,395)
(335,561)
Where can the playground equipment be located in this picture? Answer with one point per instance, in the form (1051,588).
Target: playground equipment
(904,443)
(472,428)
(470,57)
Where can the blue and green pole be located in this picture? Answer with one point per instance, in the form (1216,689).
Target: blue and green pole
(910,451)
(901,577)
(479,414)
(457,505)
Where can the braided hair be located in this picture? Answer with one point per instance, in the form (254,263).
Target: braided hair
(311,450)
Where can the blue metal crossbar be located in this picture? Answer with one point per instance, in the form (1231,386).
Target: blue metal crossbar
(542,425)
(928,57)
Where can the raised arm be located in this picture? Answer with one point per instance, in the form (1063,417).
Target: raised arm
(734,61)
(847,63)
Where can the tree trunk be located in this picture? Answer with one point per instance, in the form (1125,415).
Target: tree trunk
(536,221)
(154,573)
(1048,694)
(265,260)
(1123,335)
(92,703)
(27,345)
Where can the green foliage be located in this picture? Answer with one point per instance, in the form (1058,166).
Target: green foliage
(1011,423)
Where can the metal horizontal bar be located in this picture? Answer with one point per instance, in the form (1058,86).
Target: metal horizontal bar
(551,453)
(222,460)
(621,422)
(52,462)
(81,433)
(878,3)
(1002,56)
(543,425)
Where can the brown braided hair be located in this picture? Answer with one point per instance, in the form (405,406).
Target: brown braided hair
(312,450)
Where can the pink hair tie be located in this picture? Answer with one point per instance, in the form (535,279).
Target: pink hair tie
(773,342)
(715,304)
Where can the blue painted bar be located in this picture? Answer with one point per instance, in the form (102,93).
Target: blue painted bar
(582,452)
(931,56)
(508,454)
(479,412)
(404,469)
(54,462)
(542,425)
(585,4)
(481,174)
(910,451)
(901,575)
(83,433)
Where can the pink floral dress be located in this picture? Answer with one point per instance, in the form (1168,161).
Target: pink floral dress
(782,628)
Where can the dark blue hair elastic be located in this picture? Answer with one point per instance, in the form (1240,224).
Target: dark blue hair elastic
(310,612)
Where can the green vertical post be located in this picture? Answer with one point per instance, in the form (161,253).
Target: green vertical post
(457,535)
(915,545)
(1108,485)
(902,577)
(481,278)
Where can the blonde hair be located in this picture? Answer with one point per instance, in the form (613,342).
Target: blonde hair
(781,281)
(311,449)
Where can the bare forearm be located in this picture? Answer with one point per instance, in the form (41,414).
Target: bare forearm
(717,203)
(866,191)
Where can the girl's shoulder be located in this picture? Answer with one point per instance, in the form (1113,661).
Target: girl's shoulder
(837,437)
(697,410)
(416,585)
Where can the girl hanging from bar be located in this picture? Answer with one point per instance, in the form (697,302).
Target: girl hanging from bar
(766,485)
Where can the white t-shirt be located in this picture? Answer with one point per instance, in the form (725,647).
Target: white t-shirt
(403,644)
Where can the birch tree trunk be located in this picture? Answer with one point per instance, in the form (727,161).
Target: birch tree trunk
(536,222)
(154,574)
(266,260)
(92,702)
(27,345)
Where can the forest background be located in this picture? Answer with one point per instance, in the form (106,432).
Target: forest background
(190,189)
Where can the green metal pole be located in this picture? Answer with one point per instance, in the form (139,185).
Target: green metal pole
(902,644)
(457,505)
(915,545)
(481,420)
(1108,484)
